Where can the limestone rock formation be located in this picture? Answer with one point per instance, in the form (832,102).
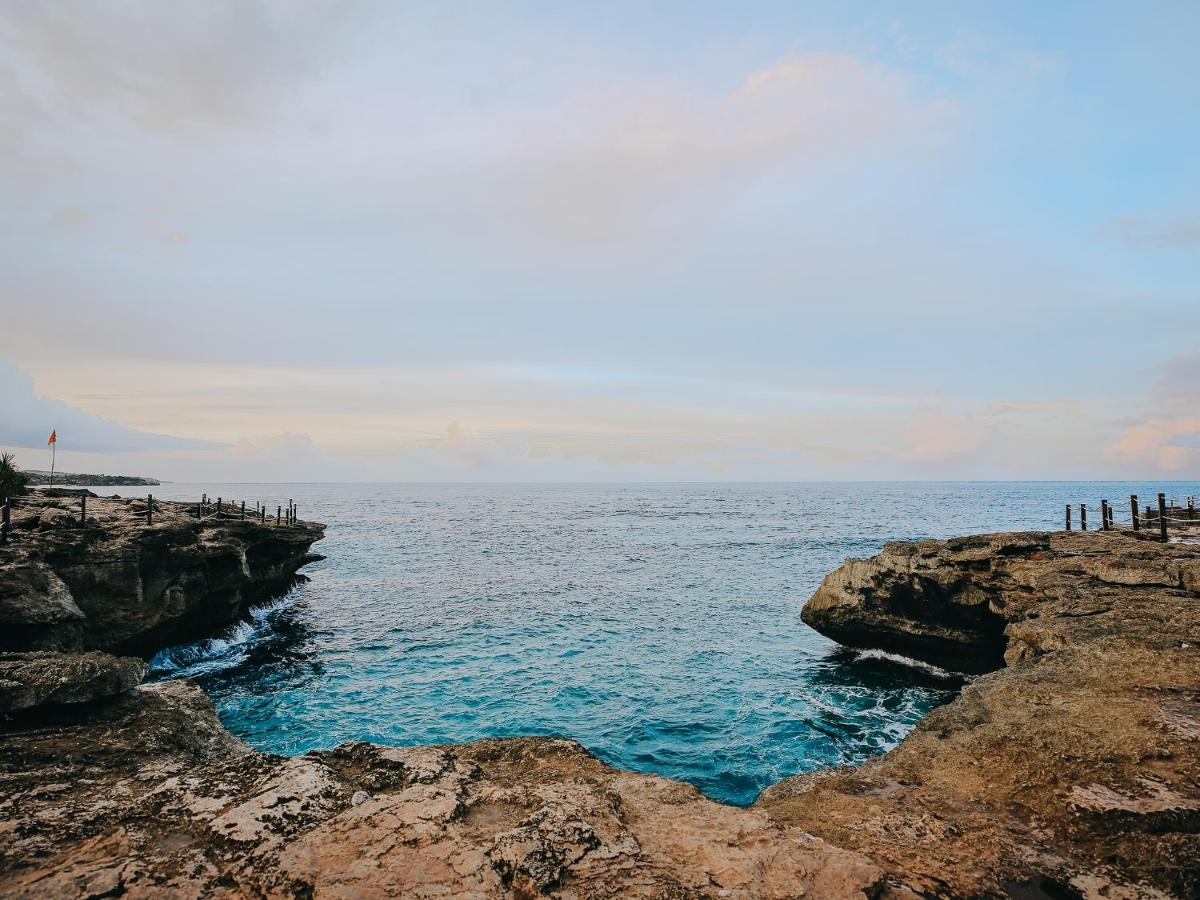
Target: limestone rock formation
(36,607)
(116,583)
(30,680)
(150,798)
(967,603)
(1074,768)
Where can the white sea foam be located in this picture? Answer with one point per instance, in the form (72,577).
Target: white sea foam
(937,671)
(214,654)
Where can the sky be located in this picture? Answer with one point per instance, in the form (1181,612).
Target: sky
(306,241)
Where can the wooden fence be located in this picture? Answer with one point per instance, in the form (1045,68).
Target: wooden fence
(206,510)
(1156,519)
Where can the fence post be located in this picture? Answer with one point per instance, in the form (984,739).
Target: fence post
(243,510)
(83,509)
(1133,507)
(218,507)
(1083,517)
(1104,515)
(278,513)
(1162,517)
(262,515)
(1068,517)
(149,509)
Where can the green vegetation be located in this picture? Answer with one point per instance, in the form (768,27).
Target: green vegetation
(12,479)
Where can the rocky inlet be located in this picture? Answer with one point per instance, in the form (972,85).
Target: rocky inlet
(1071,768)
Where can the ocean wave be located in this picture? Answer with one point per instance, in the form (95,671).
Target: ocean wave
(217,653)
(936,671)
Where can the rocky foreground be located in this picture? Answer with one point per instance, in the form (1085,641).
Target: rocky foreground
(1071,770)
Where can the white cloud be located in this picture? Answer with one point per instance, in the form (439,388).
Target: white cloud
(663,151)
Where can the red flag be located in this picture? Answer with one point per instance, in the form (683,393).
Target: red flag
(53,438)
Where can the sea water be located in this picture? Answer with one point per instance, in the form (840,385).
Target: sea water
(658,625)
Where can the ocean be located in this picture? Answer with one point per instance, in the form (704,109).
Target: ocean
(657,624)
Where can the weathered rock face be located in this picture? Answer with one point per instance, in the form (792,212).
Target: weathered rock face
(967,603)
(36,607)
(118,584)
(1075,768)
(1072,770)
(150,797)
(30,680)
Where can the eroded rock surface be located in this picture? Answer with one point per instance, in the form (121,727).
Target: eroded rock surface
(150,798)
(1075,768)
(112,582)
(968,603)
(1072,770)
(30,680)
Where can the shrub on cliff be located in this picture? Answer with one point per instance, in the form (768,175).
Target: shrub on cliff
(12,479)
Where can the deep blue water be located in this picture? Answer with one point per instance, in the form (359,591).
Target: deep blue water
(659,625)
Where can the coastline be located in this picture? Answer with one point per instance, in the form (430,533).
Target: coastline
(1091,624)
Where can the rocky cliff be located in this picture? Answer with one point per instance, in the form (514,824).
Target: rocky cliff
(98,577)
(975,603)
(1071,770)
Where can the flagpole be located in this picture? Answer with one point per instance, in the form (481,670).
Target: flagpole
(53,455)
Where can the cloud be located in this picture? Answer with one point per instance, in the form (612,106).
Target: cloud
(467,450)
(27,418)
(163,67)
(1179,380)
(595,253)
(1164,442)
(294,446)
(662,149)
(1167,436)
(71,218)
(1143,232)
(934,434)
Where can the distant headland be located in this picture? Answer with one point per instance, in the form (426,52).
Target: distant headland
(36,476)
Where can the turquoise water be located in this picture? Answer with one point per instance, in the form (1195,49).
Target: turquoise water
(659,625)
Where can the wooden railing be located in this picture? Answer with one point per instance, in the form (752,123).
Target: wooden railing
(1160,518)
(206,510)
